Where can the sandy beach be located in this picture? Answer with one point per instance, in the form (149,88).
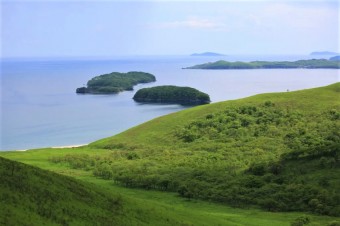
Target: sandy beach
(57,147)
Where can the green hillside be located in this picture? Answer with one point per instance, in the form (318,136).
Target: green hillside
(31,196)
(278,152)
(137,207)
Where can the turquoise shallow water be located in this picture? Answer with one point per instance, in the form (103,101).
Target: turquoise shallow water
(40,108)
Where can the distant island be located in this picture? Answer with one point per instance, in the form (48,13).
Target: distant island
(323,53)
(172,94)
(335,58)
(207,54)
(308,64)
(115,82)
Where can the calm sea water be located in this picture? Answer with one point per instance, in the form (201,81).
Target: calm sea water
(40,108)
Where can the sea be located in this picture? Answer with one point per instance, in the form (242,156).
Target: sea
(40,108)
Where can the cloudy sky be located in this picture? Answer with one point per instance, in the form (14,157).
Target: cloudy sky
(115,28)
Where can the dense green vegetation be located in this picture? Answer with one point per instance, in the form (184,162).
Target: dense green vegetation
(171,94)
(115,82)
(309,64)
(31,196)
(276,151)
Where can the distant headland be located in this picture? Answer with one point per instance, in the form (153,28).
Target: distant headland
(335,58)
(115,82)
(323,53)
(207,54)
(172,94)
(307,64)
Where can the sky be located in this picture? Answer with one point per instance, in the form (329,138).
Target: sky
(54,28)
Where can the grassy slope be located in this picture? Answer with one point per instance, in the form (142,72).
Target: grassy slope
(199,165)
(140,207)
(159,131)
(31,196)
(167,208)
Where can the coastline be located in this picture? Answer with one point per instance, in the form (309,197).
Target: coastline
(112,110)
(57,147)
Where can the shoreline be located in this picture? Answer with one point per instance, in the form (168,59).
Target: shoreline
(56,147)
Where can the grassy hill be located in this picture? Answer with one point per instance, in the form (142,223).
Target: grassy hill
(159,131)
(31,196)
(278,151)
(135,206)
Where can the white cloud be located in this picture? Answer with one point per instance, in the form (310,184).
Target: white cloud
(298,17)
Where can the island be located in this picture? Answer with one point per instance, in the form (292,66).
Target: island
(323,53)
(172,94)
(207,54)
(308,64)
(335,58)
(115,82)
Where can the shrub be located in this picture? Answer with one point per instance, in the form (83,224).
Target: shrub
(334,223)
(301,220)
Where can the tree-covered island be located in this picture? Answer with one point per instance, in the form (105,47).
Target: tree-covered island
(308,64)
(115,82)
(172,94)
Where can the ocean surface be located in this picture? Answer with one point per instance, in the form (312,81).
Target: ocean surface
(39,106)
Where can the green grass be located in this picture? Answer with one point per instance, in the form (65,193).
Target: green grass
(140,207)
(32,196)
(153,153)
